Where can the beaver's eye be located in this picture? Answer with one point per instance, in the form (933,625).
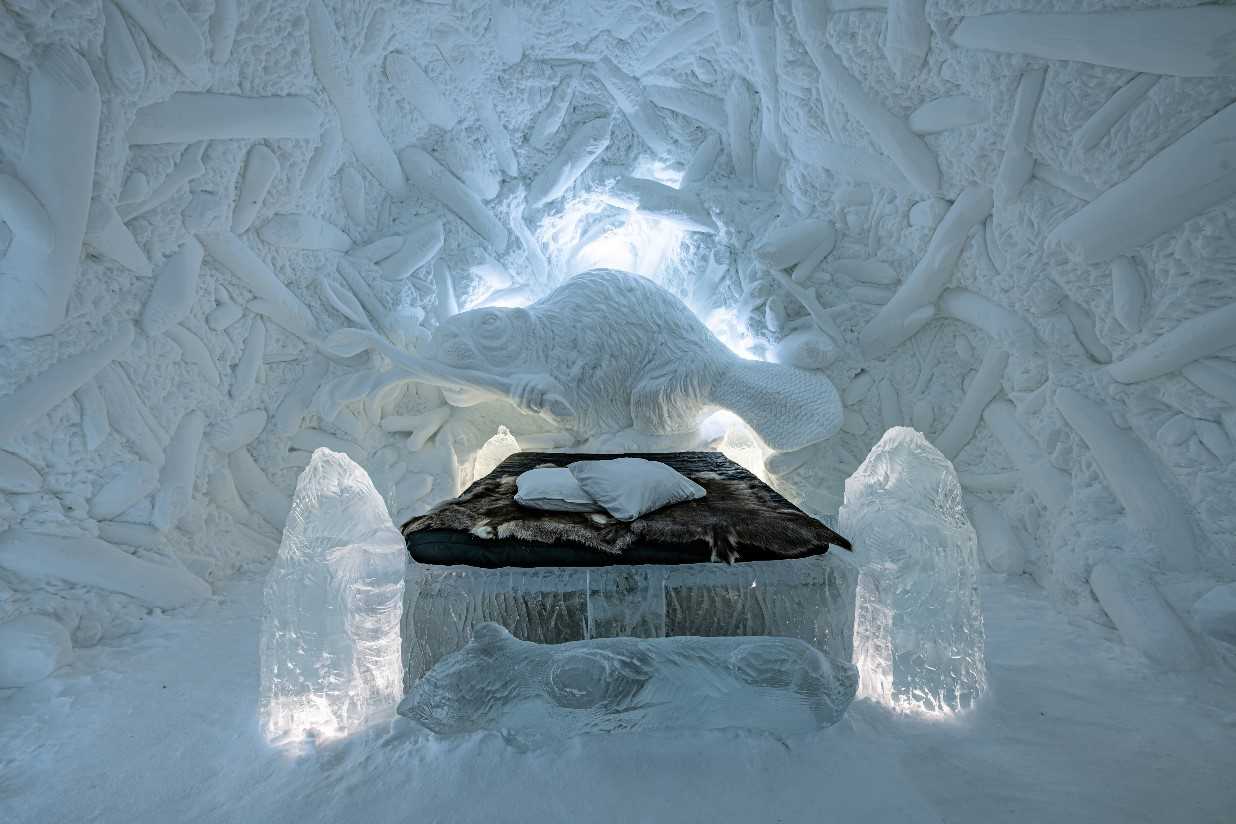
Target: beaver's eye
(489,321)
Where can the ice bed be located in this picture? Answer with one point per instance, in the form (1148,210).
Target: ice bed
(742,561)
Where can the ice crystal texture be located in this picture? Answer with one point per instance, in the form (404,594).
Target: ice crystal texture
(918,634)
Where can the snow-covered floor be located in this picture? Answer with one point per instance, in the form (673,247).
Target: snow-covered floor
(161,727)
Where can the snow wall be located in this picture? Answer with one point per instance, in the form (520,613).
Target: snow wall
(1021,244)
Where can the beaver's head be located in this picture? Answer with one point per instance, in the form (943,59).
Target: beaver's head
(483,339)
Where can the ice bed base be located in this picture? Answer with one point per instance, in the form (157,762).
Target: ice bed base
(811,599)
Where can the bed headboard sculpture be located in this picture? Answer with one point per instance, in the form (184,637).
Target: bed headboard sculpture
(614,351)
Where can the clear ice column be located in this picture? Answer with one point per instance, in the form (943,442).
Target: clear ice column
(918,631)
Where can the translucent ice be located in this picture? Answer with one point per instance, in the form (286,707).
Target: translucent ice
(811,599)
(330,629)
(918,627)
(535,693)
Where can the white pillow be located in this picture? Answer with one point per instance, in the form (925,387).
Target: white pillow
(552,488)
(631,487)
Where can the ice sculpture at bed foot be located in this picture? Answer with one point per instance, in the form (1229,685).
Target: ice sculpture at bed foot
(918,626)
(329,651)
(536,693)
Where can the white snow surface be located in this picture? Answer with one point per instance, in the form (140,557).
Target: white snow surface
(163,727)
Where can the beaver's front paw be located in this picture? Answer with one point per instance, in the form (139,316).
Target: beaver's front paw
(529,391)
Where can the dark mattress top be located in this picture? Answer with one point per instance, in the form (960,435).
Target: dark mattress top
(739,519)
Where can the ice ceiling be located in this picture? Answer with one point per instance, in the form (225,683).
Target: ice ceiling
(1020,243)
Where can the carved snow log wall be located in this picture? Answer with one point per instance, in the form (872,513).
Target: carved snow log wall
(1022,246)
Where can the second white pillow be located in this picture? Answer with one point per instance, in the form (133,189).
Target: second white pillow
(631,487)
(553,489)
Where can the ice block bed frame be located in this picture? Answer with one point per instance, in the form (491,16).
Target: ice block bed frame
(810,597)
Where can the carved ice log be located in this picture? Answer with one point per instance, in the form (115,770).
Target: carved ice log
(632,102)
(1083,327)
(991,482)
(532,248)
(57,166)
(129,484)
(1017,165)
(172,31)
(175,495)
(983,388)
(223,25)
(923,286)
(560,174)
(784,246)
(17,475)
(727,21)
(175,290)
(324,157)
(739,113)
(107,235)
(858,164)
(356,118)
(499,138)
(296,402)
(94,563)
(377,34)
(1200,38)
(1050,485)
(193,351)
(352,191)
(429,175)
(1196,338)
(1004,325)
(420,428)
(705,108)
(411,81)
(1128,293)
(1100,124)
(261,166)
(869,271)
(1213,375)
(245,376)
(762,31)
(189,116)
(907,37)
(126,416)
(236,256)
(702,161)
(26,218)
(124,61)
(768,161)
(505,28)
(237,432)
(39,395)
(944,113)
(257,490)
(1180,182)
(446,303)
(806,349)
(679,40)
(122,532)
(95,425)
(550,119)
(999,542)
(807,297)
(304,232)
(1144,619)
(1151,506)
(187,168)
(309,440)
(655,199)
(420,245)
(1077,186)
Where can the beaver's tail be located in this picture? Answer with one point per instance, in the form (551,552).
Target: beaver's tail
(789,408)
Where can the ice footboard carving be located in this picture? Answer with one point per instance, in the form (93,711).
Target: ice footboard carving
(811,599)
(536,693)
(330,627)
(918,633)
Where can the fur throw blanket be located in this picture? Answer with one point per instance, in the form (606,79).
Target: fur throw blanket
(740,519)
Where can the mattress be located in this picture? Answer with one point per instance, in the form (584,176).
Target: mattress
(739,519)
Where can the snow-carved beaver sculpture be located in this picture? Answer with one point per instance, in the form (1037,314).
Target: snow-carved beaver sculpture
(625,353)
(536,693)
